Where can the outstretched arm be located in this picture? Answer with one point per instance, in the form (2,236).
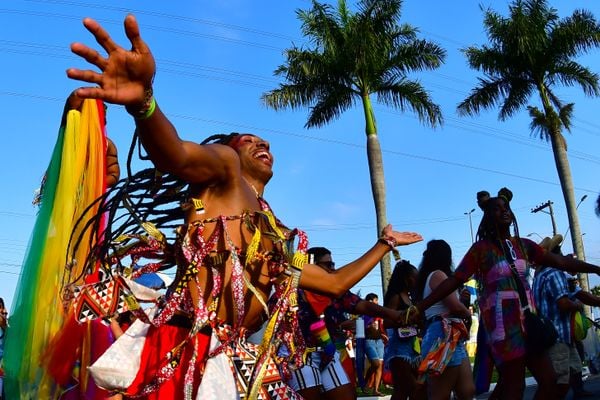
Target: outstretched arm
(447,286)
(336,283)
(588,298)
(125,77)
(371,309)
(568,263)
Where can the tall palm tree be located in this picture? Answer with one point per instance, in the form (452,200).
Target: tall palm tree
(530,52)
(350,57)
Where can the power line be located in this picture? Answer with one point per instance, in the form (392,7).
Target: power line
(171,17)
(348,144)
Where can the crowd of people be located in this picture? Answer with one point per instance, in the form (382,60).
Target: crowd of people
(240,271)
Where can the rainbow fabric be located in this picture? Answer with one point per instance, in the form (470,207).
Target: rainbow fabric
(74,178)
(320,332)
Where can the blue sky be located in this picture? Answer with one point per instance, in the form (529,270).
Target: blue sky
(214,61)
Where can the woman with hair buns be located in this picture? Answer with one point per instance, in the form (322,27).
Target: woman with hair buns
(489,259)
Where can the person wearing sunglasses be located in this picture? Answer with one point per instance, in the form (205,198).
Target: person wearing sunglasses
(328,372)
(502,337)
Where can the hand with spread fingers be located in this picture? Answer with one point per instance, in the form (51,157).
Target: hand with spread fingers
(125,76)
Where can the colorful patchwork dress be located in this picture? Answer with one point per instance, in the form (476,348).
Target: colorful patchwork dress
(501,316)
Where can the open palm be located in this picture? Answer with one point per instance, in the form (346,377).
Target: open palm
(125,75)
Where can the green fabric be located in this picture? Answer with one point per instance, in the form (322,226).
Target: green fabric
(580,325)
(19,363)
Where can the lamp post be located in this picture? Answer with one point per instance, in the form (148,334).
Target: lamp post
(468,213)
(536,234)
(576,208)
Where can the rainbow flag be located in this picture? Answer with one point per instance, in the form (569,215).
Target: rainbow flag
(74,179)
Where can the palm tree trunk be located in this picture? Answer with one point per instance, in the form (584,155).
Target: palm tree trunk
(559,149)
(563,168)
(375,160)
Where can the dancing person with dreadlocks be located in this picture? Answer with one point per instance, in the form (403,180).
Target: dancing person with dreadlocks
(497,257)
(231,250)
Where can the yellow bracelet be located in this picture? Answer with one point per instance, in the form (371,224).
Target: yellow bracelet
(408,313)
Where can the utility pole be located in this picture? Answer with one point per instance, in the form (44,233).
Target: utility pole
(582,277)
(470,223)
(541,208)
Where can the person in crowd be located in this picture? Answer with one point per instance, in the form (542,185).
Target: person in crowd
(350,345)
(576,293)
(375,341)
(501,317)
(445,365)
(324,376)
(551,294)
(402,354)
(3,327)
(231,250)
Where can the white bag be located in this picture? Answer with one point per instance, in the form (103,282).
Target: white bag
(118,366)
(217,381)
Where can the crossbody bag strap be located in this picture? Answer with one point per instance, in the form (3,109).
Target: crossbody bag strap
(517,278)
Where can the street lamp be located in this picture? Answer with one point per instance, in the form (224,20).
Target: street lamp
(576,208)
(470,223)
(536,234)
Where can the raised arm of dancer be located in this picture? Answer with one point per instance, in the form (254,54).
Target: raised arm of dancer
(125,77)
(568,263)
(337,282)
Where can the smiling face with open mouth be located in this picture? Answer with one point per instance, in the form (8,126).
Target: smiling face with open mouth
(255,155)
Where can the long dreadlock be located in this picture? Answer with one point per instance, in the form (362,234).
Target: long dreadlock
(141,204)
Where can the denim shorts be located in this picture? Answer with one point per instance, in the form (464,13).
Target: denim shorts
(435,331)
(401,348)
(374,349)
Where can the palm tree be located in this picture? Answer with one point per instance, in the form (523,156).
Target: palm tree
(530,52)
(350,57)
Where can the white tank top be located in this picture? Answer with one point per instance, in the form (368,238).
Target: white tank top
(439,307)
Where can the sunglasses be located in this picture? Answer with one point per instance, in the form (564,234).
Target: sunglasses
(513,253)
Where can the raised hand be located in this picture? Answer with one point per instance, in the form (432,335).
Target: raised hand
(399,238)
(125,76)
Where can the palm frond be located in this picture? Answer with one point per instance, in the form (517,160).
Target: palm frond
(416,56)
(330,106)
(406,94)
(486,95)
(571,73)
(539,125)
(519,92)
(565,115)
(576,34)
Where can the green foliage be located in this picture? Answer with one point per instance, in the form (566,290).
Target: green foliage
(531,51)
(353,55)
(595,290)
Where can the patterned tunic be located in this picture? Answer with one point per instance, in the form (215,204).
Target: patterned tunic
(501,315)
